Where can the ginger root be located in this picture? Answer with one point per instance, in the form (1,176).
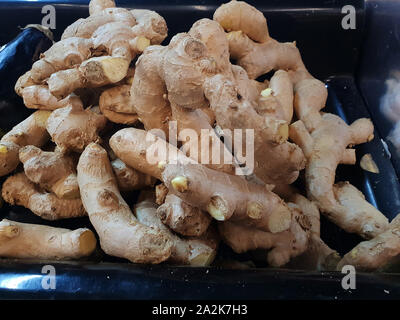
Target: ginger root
(31,241)
(38,96)
(212,191)
(270,135)
(325,147)
(239,15)
(227,197)
(250,43)
(194,251)
(96,6)
(150,25)
(120,233)
(98,50)
(182,217)
(130,179)
(91,77)
(194,71)
(137,148)
(84,28)
(73,128)
(260,58)
(276,101)
(168,86)
(53,171)
(283,245)
(115,104)
(19,190)
(31,131)
(379,253)
(318,255)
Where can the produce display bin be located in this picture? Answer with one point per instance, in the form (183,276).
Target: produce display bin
(354,63)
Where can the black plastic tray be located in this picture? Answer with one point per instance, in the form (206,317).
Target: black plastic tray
(331,53)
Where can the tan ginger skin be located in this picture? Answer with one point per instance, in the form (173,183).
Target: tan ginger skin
(318,255)
(120,233)
(175,59)
(168,77)
(268,211)
(129,179)
(326,147)
(324,139)
(269,136)
(115,104)
(232,93)
(93,52)
(84,28)
(19,190)
(227,197)
(379,253)
(31,131)
(61,55)
(260,58)
(53,171)
(146,23)
(276,101)
(120,42)
(96,6)
(178,76)
(203,148)
(73,128)
(238,15)
(102,70)
(194,251)
(133,146)
(38,96)
(183,218)
(250,43)
(31,241)
(191,81)
(157,98)
(283,245)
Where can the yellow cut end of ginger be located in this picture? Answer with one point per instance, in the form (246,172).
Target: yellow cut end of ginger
(217,208)
(254,210)
(3,149)
(266,92)
(41,117)
(180,183)
(142,43)
(161,165)
(216,213)
(113,68)
(233,34)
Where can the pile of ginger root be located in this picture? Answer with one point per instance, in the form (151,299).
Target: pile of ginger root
(105,97)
